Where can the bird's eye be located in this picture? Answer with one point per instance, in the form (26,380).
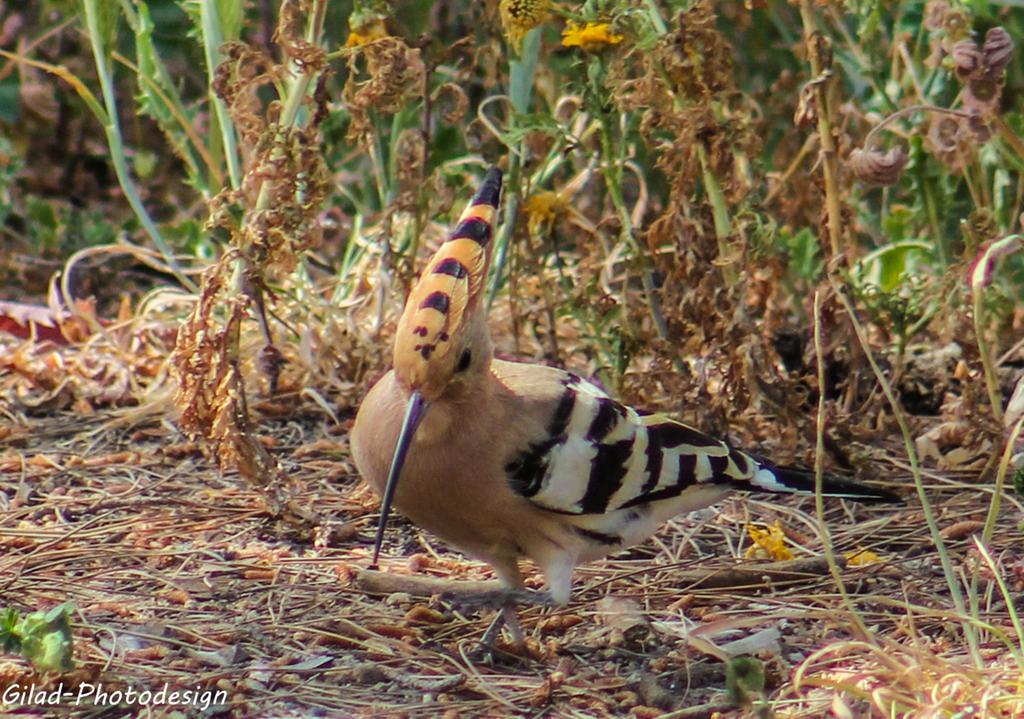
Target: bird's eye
(464,361)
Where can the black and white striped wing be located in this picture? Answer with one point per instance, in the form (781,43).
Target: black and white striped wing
(600,456)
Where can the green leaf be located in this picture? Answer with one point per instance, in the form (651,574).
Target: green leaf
(42,221)
(899,221)
(158,96)
(229,12)
(145,163)
(46,638)
(107,15)
(523,125)
(10,98)
(744,680)
(9,640)
(888,266)
(1018,480)
(804,253)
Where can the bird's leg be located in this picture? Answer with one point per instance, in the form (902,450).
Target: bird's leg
(557,570)
(497,598)
(505,601)
(506,617)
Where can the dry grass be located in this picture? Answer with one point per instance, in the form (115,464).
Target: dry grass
(642,252)
(179,576)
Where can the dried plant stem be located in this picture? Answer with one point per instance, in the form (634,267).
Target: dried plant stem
(986,190)
(1008,135)
(549,303)
(372,580)
(830,158)
(904,111)
(952,582)
(297,93)
(423,191)
(819,475)
(988,368)
(976,198)
(793,166)
(719,208)
(244,273)
(293,102)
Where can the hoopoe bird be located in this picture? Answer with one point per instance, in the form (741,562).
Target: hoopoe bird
(510,460)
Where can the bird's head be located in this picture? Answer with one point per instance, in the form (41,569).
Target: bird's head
(442,335)
(443,317)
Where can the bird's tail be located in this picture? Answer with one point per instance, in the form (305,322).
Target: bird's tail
(801,481)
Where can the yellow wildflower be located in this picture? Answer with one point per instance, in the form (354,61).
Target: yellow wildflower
(768,543)
(543,209)
(861,557)
(366,32)
(518,17)
(591,37)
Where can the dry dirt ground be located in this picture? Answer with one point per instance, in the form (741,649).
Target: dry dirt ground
(181,578)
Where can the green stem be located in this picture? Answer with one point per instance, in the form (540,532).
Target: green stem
(655,15)
(991,383)
(720,214)
(612,170)
(1009,136)
(932,209)
(112,130)
(376,147)
(1008,597)
(952,582)
(164,100)
(990,525)
(520,90)
(297,91)
(819,478)
(289,116)
(212,40)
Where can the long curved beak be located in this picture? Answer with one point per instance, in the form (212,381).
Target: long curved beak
(414,413)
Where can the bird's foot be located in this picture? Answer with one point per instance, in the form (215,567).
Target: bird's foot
(490,649)
(498,599)
(505,618)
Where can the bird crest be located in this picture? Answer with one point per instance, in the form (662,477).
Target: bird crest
(441,303)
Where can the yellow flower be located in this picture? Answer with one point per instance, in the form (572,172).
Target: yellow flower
(591,37)
(366,32)
(861,557)
(543,209)
(768,543)
(518,17)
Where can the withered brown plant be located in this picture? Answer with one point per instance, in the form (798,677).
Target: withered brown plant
(391,74)
(268,222)
(686,95)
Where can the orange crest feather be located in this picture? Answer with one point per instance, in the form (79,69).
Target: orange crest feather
(438,307)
